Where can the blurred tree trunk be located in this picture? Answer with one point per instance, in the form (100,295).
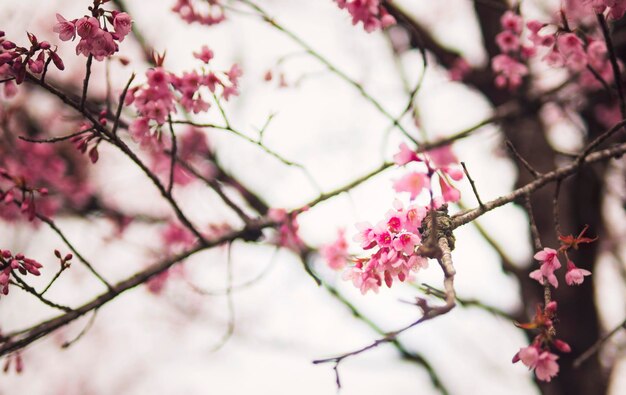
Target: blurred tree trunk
(579,205)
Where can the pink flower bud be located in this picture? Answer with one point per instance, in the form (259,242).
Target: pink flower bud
(562,346)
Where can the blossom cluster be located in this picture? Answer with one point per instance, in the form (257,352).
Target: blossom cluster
(287,229)
(20,194)
(550,262)
(30,171)
(371,13)
(18,262)
(96,38)
(15,61)
(156,100)
(190,11)
(616,8)
(538,355)
(508,66)
(560,48)
(440,162)
(395,239)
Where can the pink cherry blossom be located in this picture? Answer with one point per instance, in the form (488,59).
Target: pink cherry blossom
(405,155)
(575,275)
(87,27)
(549,258)
(549,263)
(366,235)
(459,70)
(546,367)
(65,29)
(336,254)
(413,182)
(190,12)
(406,243)
(288,228)
(512,22)
(508,41)
(542,362)
(509,71)
(448,192)
(369,12)
(204,55)
(123,24)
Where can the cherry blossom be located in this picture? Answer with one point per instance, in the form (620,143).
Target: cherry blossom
(542,362)
(549,263)
(369,12)
(336,254)
(575,275)
(96,38)
(190,12)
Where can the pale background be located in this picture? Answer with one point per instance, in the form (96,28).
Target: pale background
(146,344)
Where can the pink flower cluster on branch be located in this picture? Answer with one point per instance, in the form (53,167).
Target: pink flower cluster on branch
(209,12)
(156,100)
(550,262)
(29,171)
(16,60)
(99,33)
(288,228)
(395,240)
(562,48)
(538,356)
(371,13)
(509,66)
(19,263)
(20,194)
(440,162)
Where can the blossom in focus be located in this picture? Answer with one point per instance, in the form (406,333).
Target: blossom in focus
(575,275)
(542,362)
(549,263)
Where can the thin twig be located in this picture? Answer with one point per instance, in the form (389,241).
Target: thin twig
(85,82)
(614,64)
(469,178)
(599,140)
(120,105)
(523,161)
(82,259)
(82,333)
(54,139)
(173,155)
(230,329)
(597,345)
(267,18)
(558,174)
(536,238)
(430,312)
(24,286)
(117,142)
(555,209)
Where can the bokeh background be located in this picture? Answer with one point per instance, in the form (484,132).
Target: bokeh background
(174,342)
